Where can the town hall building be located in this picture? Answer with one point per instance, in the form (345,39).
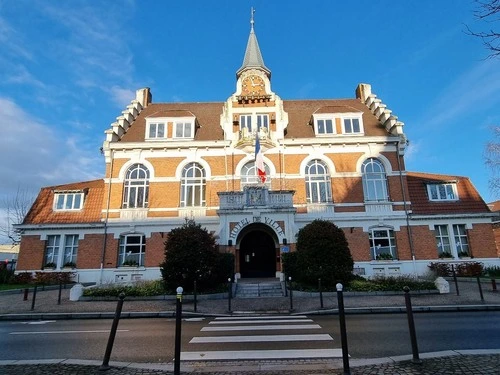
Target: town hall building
(254,169)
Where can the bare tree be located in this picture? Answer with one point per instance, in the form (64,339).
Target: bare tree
(492,160)
(489,12)
(16,208)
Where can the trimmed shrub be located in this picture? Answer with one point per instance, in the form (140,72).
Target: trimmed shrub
(492,271)
(323,252)
(192,254)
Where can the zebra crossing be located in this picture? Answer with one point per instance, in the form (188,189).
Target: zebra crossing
(260,337)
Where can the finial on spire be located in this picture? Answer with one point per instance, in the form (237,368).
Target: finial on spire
(252,11)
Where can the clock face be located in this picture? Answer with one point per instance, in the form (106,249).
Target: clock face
(252,85)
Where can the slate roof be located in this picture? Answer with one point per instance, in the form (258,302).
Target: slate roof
(41,211)
(469,199)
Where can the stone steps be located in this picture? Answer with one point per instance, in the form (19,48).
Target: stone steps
(259,289)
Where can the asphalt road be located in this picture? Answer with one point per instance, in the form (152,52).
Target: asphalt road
(152,340)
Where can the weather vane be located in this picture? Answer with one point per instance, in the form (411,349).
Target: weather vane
(252,11)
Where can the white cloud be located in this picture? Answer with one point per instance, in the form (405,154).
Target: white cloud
(473,91)
(121,96)
(35,156)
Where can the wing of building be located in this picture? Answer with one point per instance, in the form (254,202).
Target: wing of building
(335,159)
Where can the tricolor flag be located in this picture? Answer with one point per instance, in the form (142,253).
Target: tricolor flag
(259,161)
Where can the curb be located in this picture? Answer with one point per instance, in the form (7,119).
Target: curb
(171,314)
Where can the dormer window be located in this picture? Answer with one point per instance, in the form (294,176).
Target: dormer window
(157,130)
(442,192)
(68,201)
(324,125)
(184,129)
(352,125)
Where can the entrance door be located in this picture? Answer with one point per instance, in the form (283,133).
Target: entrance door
(257,255)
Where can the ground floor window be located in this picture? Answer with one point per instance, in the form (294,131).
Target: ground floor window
(452,243)
(54,257)
(382,244)
(132,250)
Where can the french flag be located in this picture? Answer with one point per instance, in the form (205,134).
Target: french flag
(259,161)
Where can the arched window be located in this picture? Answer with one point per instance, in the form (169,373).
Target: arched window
(318,182)
(136,187)
(249,175)
(374,180)
(193,186)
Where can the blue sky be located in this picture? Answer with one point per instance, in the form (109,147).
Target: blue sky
(68,68)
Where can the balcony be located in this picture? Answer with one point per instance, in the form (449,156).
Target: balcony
(133,214)
(255,196)
(378,207)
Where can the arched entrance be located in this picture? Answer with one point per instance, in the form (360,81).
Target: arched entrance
(257,254)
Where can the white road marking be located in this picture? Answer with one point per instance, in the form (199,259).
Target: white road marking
(262,317)
(262,321)
(260,338)
(266,328)
(261,354)
(60,332)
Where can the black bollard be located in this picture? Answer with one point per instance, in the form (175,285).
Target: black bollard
(494,285)
(291,293)
(178,322)
(229,294)
(60,290)
(286,291)
(343,331)
(411,326)
(25,297)
(195,297)
(320,293)
(105,362)
(34,298)
(480,289)
(455,279)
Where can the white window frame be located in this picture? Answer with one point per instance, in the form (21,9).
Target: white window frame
(318,185)
(262,121)
(351,117)
(388,239)
(59,251)
(324,117)
(375,185)
(449,188)
(139,186)
(193,188)
(68,200)
(246,122)
(157,125)
(183,125)
(124,252)
(454,241)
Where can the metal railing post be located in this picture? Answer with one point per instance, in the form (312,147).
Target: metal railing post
(105,362)
(178,322)
(343,331)
(411,326)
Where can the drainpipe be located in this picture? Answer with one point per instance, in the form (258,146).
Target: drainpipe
(103,253)
(407,216)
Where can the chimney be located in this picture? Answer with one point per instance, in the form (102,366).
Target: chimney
(144,96)
(363,91)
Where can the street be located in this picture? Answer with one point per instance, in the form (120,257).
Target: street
(152,340)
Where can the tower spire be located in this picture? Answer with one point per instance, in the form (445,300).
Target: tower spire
(253,57)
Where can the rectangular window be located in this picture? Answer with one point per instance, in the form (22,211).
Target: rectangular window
(262,121)
(132,250)
(183,130)
(461,240)
(442,192)
(325,126)
(52,250)
(68,201)
(70,250)
(443,241)
(382,244)
(352,126)
(246,122)
(157,130)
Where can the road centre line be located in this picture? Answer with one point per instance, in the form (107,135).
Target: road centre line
(260,338)
(262,321)
(60,332)
(268,328)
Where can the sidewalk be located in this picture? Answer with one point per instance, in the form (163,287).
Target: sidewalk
(12,307)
